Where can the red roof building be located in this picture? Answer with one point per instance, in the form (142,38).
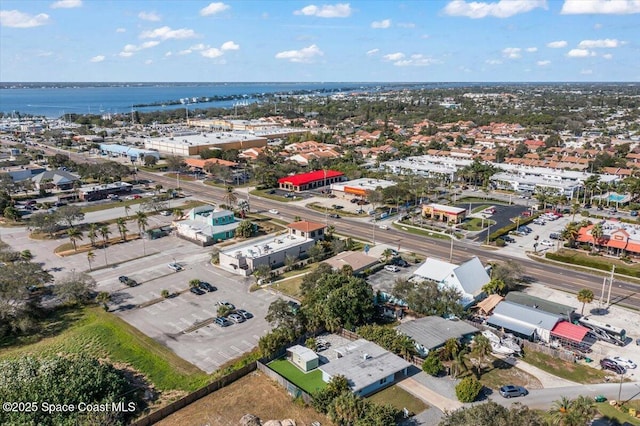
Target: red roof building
(311,180)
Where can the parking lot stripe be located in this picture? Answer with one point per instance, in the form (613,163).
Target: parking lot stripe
(236,349)
(249,345)
(224,355)
(179,329)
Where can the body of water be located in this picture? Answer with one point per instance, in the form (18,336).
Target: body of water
(55,100)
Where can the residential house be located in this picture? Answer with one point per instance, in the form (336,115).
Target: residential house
(207,225)
(55,179)
(430,333)
(467,278)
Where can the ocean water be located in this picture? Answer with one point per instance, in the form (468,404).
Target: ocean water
(55,100)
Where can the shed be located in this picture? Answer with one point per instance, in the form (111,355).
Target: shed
(303,358)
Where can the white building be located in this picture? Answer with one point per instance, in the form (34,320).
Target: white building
(359,187)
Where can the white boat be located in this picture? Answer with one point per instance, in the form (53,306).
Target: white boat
(493,338)
(502,350)
(511,344)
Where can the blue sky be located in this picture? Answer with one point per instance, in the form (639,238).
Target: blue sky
(262,40)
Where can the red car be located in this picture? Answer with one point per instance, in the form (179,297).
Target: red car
(525,213)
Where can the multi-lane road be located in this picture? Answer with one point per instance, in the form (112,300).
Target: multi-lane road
(622,292)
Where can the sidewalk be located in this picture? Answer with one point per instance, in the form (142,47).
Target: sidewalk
(429,396)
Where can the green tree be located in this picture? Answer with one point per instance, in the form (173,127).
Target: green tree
(245,229)
(571,233)
(597,233)
(92,233)
(480,351)
(492,414)
(262,272)
(495,286)
(74,235)
(347,408)
(585,296)
(468,389)
(10,212)
(230,197)
(122,228)
(104,298)
(432,364)
(104,233)
(90,258)
(322,399)
(75,288)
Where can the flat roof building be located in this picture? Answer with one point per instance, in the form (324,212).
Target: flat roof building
(359,187)
(311,180)
(444,213)
(193,143)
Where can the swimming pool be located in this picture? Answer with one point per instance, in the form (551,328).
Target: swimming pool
(616,197)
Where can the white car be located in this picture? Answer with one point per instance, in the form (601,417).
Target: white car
(547,243)
(626,363)
(274,211)
(385,227)
(391,268)
(175,267)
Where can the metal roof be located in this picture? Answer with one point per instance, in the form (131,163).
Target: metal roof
(539,303)
(526,315)
(432,332)
(512,325)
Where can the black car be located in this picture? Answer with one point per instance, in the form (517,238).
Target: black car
(508,239)
(334,216)
(128,281)
(609,364)
(223,322)
(197,290)
(206,286)
(400,262)
(123,279)
(510,391)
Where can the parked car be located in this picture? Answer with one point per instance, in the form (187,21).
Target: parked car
(508,239)
(197,291)
(626,363)
(510,391)
(554,236)
(400,262)
(245,314)
(237,318)
(175,267)
(206,286)
(633,213)
(165,213)
(227,304)
(128,281)
(222,322)
(273,211)
(609,364)
(547,243)
(391,268)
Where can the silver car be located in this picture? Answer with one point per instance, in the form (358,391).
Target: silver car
(237,318)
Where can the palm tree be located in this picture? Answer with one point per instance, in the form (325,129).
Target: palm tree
(495,286)
(230,197)
(596,234)
(459,365)
(571,232)
(142,221)
(122,228)
(559,411)
(577,412)
(74,235)
(92,233)
(481,350)
(104,233)
(90,257)
(103,297)
(178,213)
(127,209)
(26,255)
(387,254)
(585,296)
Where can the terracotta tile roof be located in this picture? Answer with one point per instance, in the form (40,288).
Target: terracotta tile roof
(305,226)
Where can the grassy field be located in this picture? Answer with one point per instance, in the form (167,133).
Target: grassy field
(103,335)
(623,418)
(567,370)
(308,382)
(500,372)
(289,286)
(422,232)
(399,398)
(475,223)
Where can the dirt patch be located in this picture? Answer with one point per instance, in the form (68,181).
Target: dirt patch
(255,394)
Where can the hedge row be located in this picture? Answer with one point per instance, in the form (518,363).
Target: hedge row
(592,263)
(511,227)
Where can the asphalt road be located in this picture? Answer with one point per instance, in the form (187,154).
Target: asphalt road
(622,293)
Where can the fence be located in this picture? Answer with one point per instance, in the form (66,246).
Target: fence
(292,389)
(164,412)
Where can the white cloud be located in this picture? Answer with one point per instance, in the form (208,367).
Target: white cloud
(543,63)
(230,45)
(557,44)
(148,62)
(493,62)
(372,52)
(44,54)
(121,30)
(185,52)
(386,23)
(511,52)
(604,7)
(338,10)
(605,43)
(306,54)
(129,49)
(532,49)
(98,58)
(212,52)
(394,56)
(416,60)
(198,46)
(579,53)
(586,72)
(500,9)
(149,16)
(17,19)
(66,4)
(169,53)
(213,9)
(607,56)
(166,33)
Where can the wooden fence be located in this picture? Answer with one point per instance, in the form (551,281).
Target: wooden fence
(292,389)
(167,410)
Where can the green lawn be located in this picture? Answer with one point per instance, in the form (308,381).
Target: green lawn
(567,370)
(623,418)
(398,398)
(308,382)
(100,334)
(264,193)
(423,232)
(475,223)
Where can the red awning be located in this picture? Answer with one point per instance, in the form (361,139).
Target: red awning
(616,243)
(570,331)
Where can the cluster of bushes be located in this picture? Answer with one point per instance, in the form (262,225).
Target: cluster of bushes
(511,227)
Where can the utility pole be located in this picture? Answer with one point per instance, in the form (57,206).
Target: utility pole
(613,270)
